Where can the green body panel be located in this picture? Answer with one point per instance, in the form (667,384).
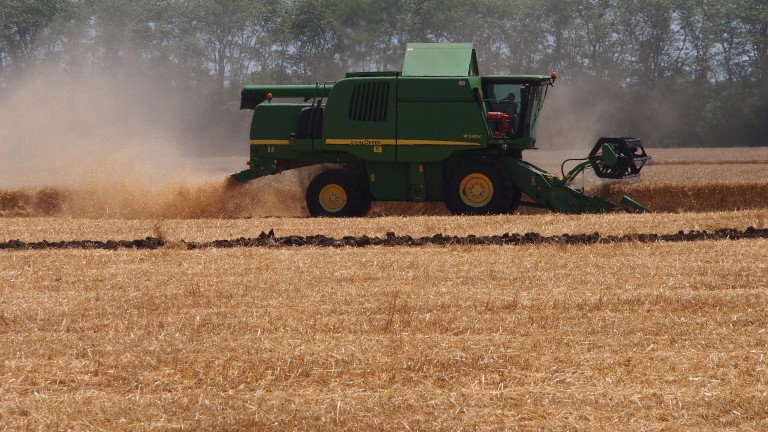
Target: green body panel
(438,117)
(271,127)
(437,89)
(389,182)
(361,119)
(405,132)
(444,137)
(271,130)
(405,182)
(275,121)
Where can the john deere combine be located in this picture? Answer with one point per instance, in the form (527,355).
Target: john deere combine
(437,131)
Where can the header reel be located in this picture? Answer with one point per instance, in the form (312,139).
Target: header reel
(611,158)
(618,158)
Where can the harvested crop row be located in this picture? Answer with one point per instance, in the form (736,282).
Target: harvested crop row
(271,240)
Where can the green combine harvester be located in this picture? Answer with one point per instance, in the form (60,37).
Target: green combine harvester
(437,131)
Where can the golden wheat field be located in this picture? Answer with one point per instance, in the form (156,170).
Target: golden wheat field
(666,335)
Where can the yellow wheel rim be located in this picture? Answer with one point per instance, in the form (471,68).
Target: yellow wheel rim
(476,190)
(333,198)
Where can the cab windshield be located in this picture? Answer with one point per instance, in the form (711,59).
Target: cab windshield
(521,101)
(536,100)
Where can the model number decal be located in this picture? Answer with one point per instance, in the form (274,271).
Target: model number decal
(360,141)
(365,142)
(472,136)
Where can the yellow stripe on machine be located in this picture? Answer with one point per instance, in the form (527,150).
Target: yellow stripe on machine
(439,143)
(380,142)
(270,142)
(359,141)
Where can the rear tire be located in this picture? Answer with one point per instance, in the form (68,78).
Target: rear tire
(336,193)
(480,186)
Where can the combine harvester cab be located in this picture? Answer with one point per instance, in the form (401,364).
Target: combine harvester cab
(437,131)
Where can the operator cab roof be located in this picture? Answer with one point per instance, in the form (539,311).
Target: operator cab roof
(371,74)
(446,60)
(521,79)
(440,59)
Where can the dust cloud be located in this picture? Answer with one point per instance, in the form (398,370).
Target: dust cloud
(106,147)
(579,111)
(574,117)
(568,126)
(99,147)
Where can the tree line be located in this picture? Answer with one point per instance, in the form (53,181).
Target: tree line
(686,72)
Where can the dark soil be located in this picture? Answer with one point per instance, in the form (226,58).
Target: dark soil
(391,239)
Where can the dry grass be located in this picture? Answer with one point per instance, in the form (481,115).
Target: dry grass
(551,159)
(684,179)
(652,336)
(54,229)
(709,155)
(280,195)
(694,175)
(681,180)
(702,197)
(674,188)
(638,336)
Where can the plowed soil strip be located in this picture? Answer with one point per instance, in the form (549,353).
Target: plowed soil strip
(391,239)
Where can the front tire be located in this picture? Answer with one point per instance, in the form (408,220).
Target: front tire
(336,193)
(480,186)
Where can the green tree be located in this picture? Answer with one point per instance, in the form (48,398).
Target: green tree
(231,33)
(21,24)
(308,43)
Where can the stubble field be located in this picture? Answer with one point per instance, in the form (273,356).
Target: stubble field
(662,335)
